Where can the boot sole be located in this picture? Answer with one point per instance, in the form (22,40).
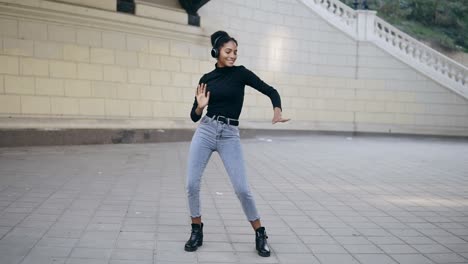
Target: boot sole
(193,249)
(267,254)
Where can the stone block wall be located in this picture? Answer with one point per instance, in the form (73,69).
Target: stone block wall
(71,66)
(328,80)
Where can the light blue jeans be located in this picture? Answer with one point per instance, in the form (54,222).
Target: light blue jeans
(212,135)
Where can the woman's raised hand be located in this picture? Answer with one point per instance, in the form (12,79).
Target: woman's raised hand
(277,116)
(202,96)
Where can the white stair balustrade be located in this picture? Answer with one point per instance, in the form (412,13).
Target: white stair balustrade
(425,59)
(364,25)
(337,12)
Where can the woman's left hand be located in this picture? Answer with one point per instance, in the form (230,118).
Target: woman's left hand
(277,116)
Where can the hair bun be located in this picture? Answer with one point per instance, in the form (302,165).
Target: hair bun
(218,35)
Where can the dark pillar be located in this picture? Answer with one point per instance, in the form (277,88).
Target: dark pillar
(355,4)
(191,7)
(126,6)
(364,5)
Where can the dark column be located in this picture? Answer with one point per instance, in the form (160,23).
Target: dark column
(192,6)
(364,5)
(355,4)
(126,6)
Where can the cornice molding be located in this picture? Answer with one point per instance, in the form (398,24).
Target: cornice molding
(63,13)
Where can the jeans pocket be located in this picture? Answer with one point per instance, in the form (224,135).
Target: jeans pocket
(234,131)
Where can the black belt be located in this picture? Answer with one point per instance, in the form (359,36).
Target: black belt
(223,119)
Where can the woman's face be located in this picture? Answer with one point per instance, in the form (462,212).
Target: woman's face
(227,54)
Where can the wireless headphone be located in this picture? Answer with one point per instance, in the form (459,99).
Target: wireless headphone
(215,50)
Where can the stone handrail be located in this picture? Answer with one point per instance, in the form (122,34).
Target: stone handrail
(339,9)
(431,62)
(366,26)
(336,12)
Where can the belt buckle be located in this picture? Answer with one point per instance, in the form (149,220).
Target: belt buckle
(222,119)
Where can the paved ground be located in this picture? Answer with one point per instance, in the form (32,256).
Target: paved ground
(323,199)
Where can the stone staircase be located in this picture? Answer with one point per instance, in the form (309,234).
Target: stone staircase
(363,25)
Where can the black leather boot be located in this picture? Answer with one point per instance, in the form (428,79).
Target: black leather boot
(261,242)
(196,238)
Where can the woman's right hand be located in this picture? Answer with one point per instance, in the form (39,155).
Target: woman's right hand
(202,96)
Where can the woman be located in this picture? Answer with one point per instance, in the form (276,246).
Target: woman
(222,90)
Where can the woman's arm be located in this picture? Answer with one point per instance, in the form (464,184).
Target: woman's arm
(252,80)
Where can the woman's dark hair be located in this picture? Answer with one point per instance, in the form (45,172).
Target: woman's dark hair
(219,38)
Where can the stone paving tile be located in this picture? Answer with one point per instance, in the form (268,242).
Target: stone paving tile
(297,258)
(398,249)
(177,256)
(134,244)
(31,259)
(362,249)
(327,249)
(86,261)
(458,248)
(323,199)
(418,240)
(336,258)
(374,259)
(252,257)
(289,248)
(91,253)
(132,254)
(411,259)
(119,261)
(446,258)
(217,257)
(432,248)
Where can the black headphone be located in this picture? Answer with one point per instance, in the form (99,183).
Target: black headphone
(215,50)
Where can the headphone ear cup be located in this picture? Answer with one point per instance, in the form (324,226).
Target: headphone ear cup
(214,53)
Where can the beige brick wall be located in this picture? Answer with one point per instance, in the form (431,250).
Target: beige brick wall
(70,69)
(325,77)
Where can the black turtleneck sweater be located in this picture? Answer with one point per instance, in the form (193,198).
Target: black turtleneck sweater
(226,86)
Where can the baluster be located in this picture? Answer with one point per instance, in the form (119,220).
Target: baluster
(382,32)
(417,53)
(394,39)
(403,45)
(459,77)
(386,34)
(321,2)
(410,50)
(325,4)
(444,68)
(398,41)
(333,8)
(407,44)
(424,57)
(430,60)
(452,73)
(436,65)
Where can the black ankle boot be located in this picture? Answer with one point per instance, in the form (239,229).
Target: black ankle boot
(261,242)
(196,238)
